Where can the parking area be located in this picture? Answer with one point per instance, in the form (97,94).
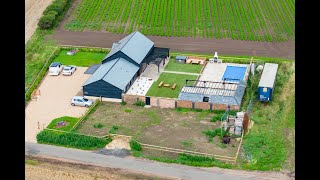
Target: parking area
(54,101)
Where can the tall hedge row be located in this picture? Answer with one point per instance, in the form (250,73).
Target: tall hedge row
(53,13)
(71,140)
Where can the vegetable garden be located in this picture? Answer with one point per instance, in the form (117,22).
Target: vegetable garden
(268,20)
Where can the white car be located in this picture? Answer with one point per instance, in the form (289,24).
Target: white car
(81,101)
(69,70)
(55,68)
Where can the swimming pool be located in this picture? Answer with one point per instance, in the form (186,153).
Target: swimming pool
(234,73)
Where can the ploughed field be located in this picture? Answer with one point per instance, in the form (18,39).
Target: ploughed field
(267,20)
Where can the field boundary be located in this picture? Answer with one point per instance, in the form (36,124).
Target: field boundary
(96,102)
(41,70)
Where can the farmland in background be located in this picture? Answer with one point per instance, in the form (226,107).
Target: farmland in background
(267,20)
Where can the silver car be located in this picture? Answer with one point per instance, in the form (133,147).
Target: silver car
(81,101)
(69,70)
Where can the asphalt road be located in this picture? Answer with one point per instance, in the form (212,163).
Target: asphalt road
(145,166)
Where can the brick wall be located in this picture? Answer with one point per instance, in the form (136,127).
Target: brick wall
(153,101)
(131,99)
(202,105)
(184,104)
(166,102)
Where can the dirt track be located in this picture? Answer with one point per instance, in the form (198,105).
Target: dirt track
(197,45)
(33,11)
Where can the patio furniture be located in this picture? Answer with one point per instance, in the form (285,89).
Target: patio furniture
(174,86)
(166,85)
(160,84)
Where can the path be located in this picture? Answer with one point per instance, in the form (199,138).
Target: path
(183,44)
(177,72)
(146,166)
(33,12)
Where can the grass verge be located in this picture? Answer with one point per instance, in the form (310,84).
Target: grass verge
(82,58)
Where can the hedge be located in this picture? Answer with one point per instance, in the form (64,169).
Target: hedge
(71,140)
(54,13)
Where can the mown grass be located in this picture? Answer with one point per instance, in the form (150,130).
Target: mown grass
(71,120)
(82,58)
(190,68)
(169,78)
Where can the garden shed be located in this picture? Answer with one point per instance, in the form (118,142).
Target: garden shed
(181,59)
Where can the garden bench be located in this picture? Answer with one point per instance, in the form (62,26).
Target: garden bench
(166,85)
(174,86)
(160,84)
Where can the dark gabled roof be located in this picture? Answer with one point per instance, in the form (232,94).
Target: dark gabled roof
(117,72)
(136,46)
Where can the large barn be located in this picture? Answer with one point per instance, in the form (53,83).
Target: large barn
(127,59)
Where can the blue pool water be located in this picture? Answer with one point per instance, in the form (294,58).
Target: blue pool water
(234,73)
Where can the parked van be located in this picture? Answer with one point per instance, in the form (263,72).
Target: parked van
(55,68)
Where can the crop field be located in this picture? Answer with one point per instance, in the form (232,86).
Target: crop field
(267,20)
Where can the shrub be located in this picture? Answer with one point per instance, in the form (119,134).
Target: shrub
(216,117)
(140,103)
(135,146)
(98,125)
(46,21)
(71,140)
(57,5)
(127,110)
(123,103)
(113,129)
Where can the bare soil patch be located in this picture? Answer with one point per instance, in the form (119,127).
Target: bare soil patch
(51,169)
(161,127)
(183,44)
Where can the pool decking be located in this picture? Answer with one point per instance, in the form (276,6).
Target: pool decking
(215,71)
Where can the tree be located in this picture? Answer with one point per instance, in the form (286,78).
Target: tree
(46,21)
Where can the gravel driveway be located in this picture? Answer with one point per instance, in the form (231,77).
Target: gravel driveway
(54,102)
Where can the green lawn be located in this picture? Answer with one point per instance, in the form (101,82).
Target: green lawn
(71,120)
(83,59)
(174,66)
(169,78)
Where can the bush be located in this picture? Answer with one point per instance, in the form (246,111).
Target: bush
(140,103)
(127,110)
(98,125)
(113,129)
(216,117)
(57,5)
(213,133)
(46,21)
(71,140)
(135,146)
(123,103)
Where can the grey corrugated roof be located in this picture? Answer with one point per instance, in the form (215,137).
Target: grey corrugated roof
(268,75)
(121,73)
(117,72)
(100,72)
(135,45)
(92,69)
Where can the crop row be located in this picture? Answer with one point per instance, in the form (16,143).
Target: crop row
(268,20)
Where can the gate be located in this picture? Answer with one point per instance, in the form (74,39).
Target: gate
(147,100)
